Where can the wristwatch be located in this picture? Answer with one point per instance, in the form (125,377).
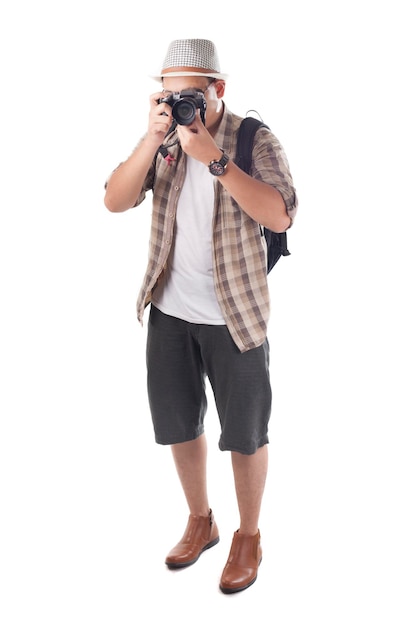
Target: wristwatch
(218,168)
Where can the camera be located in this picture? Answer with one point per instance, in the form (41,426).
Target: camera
(185,104)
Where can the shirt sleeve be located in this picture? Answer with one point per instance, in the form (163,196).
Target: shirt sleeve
(270,165)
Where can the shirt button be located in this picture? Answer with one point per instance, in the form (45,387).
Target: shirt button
(176,188)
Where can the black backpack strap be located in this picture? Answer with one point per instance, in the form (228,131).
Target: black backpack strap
(245,137)
(276,242)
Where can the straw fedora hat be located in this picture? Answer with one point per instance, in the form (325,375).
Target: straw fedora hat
(191,57)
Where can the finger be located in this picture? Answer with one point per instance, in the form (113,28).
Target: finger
(156,97)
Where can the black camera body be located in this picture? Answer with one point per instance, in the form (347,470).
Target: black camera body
(185,105)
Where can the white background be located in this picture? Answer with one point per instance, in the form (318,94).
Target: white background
(89,503)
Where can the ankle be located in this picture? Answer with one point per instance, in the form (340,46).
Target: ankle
(201,512)
(248,531)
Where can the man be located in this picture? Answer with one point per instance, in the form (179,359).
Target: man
(207,285)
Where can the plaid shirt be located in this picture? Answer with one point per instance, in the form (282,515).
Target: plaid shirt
(239,259)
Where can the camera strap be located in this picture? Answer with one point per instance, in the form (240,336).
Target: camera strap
(163,149)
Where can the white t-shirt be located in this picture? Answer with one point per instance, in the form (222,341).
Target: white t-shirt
(186,290)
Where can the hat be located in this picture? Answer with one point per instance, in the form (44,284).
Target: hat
(191,57)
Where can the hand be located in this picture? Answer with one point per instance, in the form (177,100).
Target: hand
(160,119)
(197,142)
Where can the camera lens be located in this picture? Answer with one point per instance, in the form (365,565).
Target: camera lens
(184,111)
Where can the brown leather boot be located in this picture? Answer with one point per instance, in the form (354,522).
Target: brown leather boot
(242,565)
(201,534)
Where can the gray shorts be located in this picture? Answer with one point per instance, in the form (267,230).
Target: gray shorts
(180,356)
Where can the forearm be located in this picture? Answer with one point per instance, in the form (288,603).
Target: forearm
(126,182)
(262,202)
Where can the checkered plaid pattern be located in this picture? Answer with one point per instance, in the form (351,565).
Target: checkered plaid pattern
(240,275)
(199,53)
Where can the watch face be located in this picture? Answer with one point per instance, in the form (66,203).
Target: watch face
(216,168)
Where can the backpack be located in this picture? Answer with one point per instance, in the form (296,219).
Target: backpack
(276,242)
